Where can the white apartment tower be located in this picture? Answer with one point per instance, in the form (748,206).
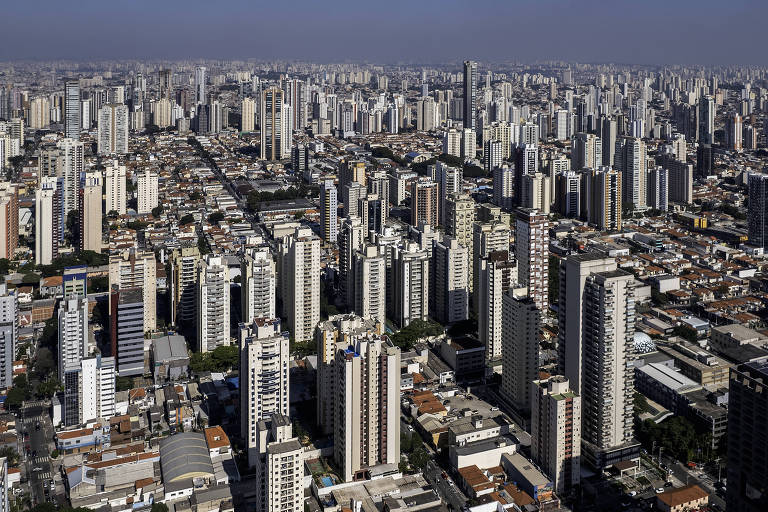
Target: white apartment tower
(532,254)
(132,269)
(264,360)
(147,185)
(411,284)
(90,213)
(280,467)
(329,207)
(521,324)
(9,326)
(47,220)
(496,274)
(116,195)
(213,304)
(113,129)
(72,155)
(258,285)
(451,261)
(301,282)
(370,284)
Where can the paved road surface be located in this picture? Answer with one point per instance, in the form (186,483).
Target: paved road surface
(38,468)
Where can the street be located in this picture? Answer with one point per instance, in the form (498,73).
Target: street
(37,461)
(448,493)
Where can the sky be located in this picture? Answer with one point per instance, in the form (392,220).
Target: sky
(699,32)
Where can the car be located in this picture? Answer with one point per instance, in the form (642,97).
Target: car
(633,493)
(38,468)
(659,490)
(668,484)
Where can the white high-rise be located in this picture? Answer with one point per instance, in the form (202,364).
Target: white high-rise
(90,213)
(97,388)
(449,180)
(329,207)
(47,221)
(72,157)
(264,360)
(114,180)
(532,254)
(521,324)
(301,282)
(200,85)
(73,347)
(503,186)
(280,467)
(258,285)
(496,274)
(132,269)
(147,185)
(113,129)
(370,285)
(410,284)
(72,109)
(451,261)
(351,239)
(213,310)
(247,115)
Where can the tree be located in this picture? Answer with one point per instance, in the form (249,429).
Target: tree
(215,217)
(5,266)
(98,284)
(453,161)
(202,245)
(686,333)
(157,211)
(44,364)
(474,171)
(11,454)
(187,219)
(30,278)
(419,458)
(416,330)
(48,388)
(159,507)
(15,398)
(123,383)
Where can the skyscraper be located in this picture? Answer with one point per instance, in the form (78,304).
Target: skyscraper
(367,406)
(470,94)
(213,305)
(264,359)
(608,329)
(602,197)
(72,109)
(658,188)
(487,237)
(137,269)
(757,215)
(48,220)
(521,324)
(504,186)
(747,434)
(184,288)
(410,284)
(247,114)
(258,285)
(126,331)
(275,132)
(734,127)
(115,185)
(449,181)
(9,219)
(329,207)
(351,239)
(90,213)
(586,151)
(424,202)
(370,284)
(301,282)
(706,117)
(73,347)
(9,333)
(113,129)
(200,85)
(451,275)
(556,431)
(630,161)
(72,161)
(280,470)
(532,255)
(495,275)
(147,185)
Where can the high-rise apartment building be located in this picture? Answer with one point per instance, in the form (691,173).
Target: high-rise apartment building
(607,351)
(487,237)
(137,269)
(147,185)
(213,304)
(603,198)
(425,205)
(247,115)
(556,431)
(470,94)
(351,239)
(631,162)
(495,275)
(367,406)
(706,118)
(504,186)
(73,348)
(586,151)
(72,158)
(370,284)
(184,288)
(329,207)
(9,333)
(300,265)
(521,326)
(96,388)
(275,132)
(48,220)
(113,129)
(532,254)
(410,284)
(115,187)
(734,127)
(448,183)
(658,189)
(90,213)
(747,434)
(200,97)
(9,219)
(126,318)
(72,109)
(280,467)
(452,142)
(536,190)
(451,276)
(258,285)
(567,198)
(757,216)
(264,360)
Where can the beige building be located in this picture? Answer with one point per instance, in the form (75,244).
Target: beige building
(410,275)
(91,213)
(300,266)
(131,269)
(496,274)
(259,280)
(556,431)
(521,323)
(213,304)
(451,274)
(114,178)
(370,285)
(280,467)
(183,281)
(248,114)
(9,219)
(147,185)
(532,254)
(487,237)
(367,406)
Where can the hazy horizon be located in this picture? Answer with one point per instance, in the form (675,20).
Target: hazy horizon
(589,31)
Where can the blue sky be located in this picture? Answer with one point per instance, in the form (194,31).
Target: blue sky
(642,31)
